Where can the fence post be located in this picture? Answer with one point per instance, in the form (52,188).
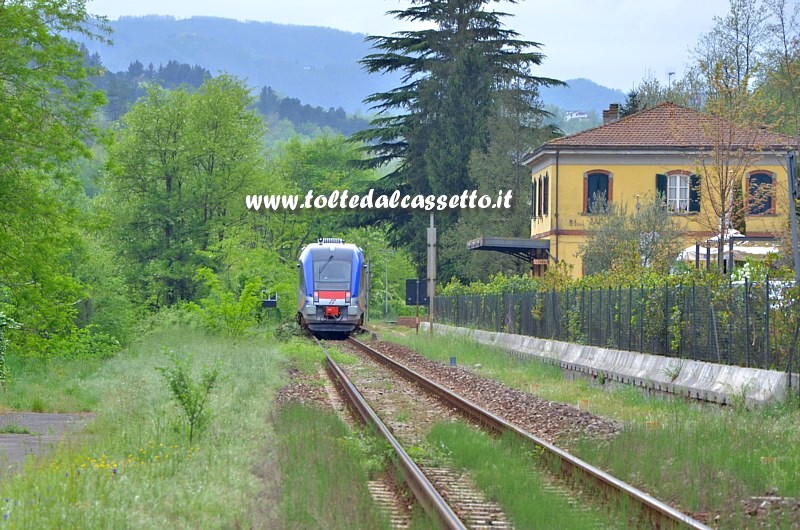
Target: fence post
(767,353)
(591,307)
(619,317)
(747,321)
(667,348)
(681,316)
(730,320)
(630,316)
(694,321)
(641,318)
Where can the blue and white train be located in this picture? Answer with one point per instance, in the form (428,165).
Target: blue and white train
(332,294)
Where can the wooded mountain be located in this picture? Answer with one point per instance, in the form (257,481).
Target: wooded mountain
(581,94)
(318,66)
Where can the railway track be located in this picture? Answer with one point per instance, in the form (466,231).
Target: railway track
(656,513)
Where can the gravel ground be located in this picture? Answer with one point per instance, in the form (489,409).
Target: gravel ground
(546,419)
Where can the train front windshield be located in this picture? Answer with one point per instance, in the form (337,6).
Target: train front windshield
(332,275)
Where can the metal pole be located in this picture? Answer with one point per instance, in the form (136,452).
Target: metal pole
(431,272)
(791,172)
(386,296)
(418,302)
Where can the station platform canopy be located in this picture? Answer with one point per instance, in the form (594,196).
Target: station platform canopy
(535,250)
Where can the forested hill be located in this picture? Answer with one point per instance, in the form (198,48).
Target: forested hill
(313,66)
(582,94)
(318,66)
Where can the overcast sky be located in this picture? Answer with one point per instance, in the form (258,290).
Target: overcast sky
(612,42)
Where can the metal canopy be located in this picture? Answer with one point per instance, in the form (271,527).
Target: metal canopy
(521,248)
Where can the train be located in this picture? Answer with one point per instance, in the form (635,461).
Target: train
(332,294)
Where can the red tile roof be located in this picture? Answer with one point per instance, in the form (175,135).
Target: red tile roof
(670,126)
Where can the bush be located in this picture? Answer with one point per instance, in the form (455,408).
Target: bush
(191,396)
(224,312)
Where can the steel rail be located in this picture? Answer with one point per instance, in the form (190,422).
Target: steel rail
(423,490)
(658,510)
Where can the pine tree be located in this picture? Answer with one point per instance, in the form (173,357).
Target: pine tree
(433,122)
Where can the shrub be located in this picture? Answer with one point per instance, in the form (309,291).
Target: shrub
(191,396)
(224,312)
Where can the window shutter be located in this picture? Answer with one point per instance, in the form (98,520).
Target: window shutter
(694,193)
(597,186)
(661,185)
(546,194)
(533,199)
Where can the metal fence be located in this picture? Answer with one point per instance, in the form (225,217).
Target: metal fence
(744,324)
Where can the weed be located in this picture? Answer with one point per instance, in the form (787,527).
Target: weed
(13,428)
(739,395)
(38,405)
(191,396)
(673,370)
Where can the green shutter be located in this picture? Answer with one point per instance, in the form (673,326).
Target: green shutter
(694,193)
(661,188)
(661,185)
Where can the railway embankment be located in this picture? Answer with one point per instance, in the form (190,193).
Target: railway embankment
(706,381)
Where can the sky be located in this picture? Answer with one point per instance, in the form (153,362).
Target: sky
(615,43)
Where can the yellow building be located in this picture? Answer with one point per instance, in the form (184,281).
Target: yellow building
(679,152)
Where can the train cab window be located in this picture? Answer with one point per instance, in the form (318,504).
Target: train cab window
(332,274)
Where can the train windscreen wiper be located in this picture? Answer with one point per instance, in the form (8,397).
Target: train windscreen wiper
(319,274)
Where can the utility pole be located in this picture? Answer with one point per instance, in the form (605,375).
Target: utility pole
(386,294)
(431,271)
(386,284)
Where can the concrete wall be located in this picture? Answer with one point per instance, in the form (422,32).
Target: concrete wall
(696,379)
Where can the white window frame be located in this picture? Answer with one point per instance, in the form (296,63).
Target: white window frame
(678,193)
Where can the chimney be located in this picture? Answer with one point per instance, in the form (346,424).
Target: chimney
(612,114)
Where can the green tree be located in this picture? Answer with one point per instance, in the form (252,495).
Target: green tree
(512,128)
(618,239)
(430,125)
(177,177)
(46,108)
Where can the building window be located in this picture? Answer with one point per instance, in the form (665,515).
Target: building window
(681,191)
(545,193)
(596,187)
(678,193)
(540,196)
(759,193)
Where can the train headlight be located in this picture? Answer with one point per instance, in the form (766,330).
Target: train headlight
(316,296)
(347,297)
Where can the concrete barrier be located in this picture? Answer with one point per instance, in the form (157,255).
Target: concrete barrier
(716,383)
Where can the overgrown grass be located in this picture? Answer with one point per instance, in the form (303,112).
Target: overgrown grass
(708,461)
(705,458)
(50,385)
(135,468)
(505,470)
(325,469)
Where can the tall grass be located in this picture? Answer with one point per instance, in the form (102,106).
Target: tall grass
(325,476)
(49,385)
(505,470)
(705,458)
(135,468)
(710,461)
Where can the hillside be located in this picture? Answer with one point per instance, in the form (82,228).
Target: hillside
(582,94)
(318,66)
